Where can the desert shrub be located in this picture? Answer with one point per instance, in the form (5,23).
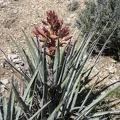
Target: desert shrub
(73,5)
(56,84)
(107,12)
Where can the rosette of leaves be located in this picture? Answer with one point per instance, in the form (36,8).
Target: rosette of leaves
(55,86)
(107,11)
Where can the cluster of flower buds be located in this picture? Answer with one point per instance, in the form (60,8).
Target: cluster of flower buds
(52,32)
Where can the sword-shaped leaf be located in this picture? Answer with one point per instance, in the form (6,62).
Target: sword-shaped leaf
(11,107)
(21,102)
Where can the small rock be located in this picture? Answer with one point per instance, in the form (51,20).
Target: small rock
(15,10)
(4,81)
(68,21)
(12,56)
(16,61)
(112,70)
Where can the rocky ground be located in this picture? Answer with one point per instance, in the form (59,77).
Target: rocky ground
(16,15)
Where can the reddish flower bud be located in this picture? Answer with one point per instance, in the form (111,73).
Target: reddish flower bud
(40,31)
(53,36)
(36,32)
(46,31)
(61,22)
(44,22)
(52,48)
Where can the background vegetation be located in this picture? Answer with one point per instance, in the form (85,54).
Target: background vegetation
(107,12)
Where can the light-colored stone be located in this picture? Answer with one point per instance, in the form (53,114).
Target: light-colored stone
(112,70)
(4,81)
(16,61)
(12,56)
(15,10)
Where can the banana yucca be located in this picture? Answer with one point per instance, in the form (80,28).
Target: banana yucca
(56,78)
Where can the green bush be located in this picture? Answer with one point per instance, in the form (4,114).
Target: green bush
(72,6)
(107,12)
(57,85)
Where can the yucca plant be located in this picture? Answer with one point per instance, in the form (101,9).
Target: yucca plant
(56,84)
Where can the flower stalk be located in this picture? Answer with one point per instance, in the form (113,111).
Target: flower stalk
(52,31)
